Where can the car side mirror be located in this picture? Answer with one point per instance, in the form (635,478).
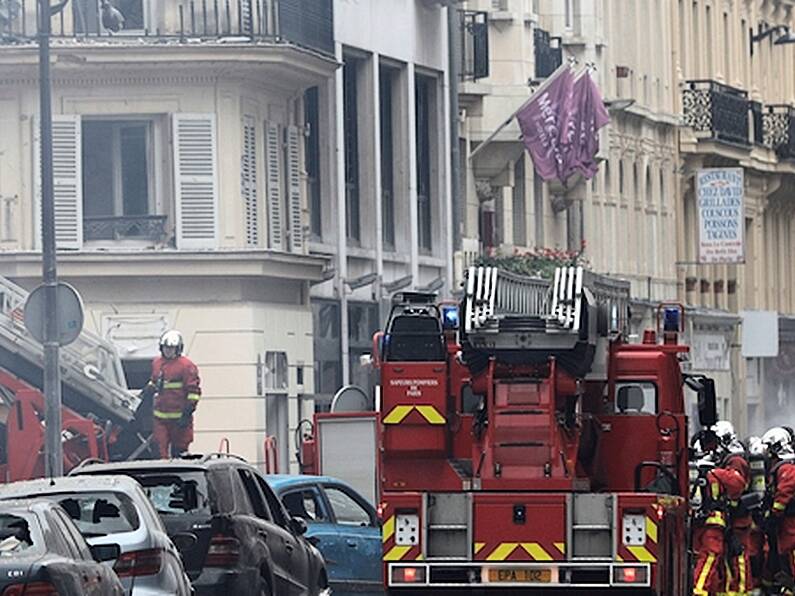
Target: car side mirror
(105,552)
(707,403)
(298,526)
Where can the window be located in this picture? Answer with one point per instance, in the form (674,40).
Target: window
(276,508)
(519,218)
(312,158)
(423,103)
(538,208)
(99,514)
(387,157)
(19,536)
(347,510)
(172,494)
(77,542)
(255,498)
(306,504)
(87,15)
(326,343)
(636,397)
(351,117)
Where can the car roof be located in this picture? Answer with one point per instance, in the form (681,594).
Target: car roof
(196,462)
(25,506)
(280,481)
(24,488)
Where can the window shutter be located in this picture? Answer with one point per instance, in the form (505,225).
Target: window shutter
(248,181)
(272,165)
(36,183)
(196,180)
(67,172)
(294,203)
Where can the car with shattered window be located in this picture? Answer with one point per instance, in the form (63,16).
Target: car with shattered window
(114,510)
(234,534)
(42,553)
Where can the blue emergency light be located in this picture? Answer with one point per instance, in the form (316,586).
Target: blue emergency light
(450,318)
(672,318)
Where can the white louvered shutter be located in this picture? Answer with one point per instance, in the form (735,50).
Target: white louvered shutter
(273,169)
(36,183)
(294,198)
(196,180)
(248,181)
(67,171)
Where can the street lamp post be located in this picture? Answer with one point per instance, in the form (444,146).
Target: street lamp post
(53,449)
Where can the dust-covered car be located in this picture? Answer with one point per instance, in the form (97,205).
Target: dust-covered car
(234,534)
(115,510)
(43,553)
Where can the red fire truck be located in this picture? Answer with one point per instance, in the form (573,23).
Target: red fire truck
(526,446)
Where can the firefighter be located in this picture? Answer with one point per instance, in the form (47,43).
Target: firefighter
(757,544)
(780,519)
(710,524)
(732,455)
(175,386)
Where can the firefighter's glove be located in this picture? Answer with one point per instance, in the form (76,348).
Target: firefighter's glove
(186,418)
(148,392)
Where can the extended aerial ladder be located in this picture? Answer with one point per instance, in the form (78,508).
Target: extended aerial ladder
(97,403)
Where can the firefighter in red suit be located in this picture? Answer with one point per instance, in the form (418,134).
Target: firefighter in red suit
(175,385)
(722,486)
(732,454)
(781,517)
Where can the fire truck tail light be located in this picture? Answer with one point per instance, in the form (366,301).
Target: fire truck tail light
(380,511)
(408,575)
(629,575)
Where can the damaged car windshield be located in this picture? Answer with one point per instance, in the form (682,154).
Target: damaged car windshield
(18,535)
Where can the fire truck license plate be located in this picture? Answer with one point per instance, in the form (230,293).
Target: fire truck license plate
(520,575)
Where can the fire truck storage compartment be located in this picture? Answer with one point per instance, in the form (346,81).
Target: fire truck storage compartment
(519,527)
(449,517)
(591,523)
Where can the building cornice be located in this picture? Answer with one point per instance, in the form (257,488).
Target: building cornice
(171,264)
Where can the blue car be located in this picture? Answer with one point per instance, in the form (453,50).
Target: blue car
(342,525)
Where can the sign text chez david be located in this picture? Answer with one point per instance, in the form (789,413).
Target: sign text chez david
(720,194)
(414,387)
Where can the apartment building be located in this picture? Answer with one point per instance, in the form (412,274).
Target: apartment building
(180,197)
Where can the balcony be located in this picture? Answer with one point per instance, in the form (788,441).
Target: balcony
(304,23)
(150,229)
(474,45)
(778,130)
(721,111)
(548,57)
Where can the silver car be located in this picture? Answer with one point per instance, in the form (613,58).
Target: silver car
(115,510)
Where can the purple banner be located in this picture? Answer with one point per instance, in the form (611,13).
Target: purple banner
(544,122)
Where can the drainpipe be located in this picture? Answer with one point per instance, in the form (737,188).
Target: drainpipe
(454,51)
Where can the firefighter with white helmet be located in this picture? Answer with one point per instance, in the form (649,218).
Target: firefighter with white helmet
(778,442)
(176,387)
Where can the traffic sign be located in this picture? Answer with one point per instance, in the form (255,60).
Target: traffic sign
(70,314)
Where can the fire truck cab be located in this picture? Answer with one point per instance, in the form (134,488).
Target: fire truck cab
(526,446)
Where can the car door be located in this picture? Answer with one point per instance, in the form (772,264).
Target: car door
(360,537)
(299,561)
(279,541)
(305,501)
(93,578)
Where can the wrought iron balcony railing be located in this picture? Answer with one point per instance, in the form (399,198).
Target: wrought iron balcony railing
(548,57)
(307,23)
(151,228)
(474,45)
(778,126)
(717,109)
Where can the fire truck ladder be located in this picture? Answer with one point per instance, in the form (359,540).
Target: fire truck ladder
(91,371)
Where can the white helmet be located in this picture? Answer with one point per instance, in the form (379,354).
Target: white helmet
(778,443)
(756,446)
(172,339)
(724,430)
